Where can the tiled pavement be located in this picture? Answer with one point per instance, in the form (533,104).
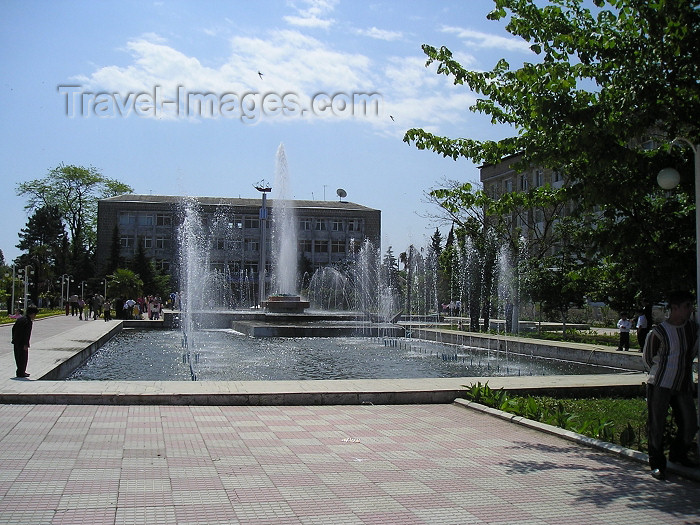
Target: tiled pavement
(400,464)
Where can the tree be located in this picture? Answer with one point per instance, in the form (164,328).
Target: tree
(124,283)
(390,266)
(143,266)
(608,79)
(115,258)
(436,241)
(42,240)
(74,191)
(558,282)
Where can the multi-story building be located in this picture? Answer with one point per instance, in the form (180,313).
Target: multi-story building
(501,178)
(328,231)
(533,223)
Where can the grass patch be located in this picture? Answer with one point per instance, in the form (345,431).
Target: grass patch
(590,337)
(615,420)
(43,312)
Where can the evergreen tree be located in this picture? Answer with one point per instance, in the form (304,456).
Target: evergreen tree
(42,240)
(436,242)
(143,266)
(115,259)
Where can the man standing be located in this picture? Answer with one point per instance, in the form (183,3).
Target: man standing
(21,333)
(668,355)
(642,329)
(624,325)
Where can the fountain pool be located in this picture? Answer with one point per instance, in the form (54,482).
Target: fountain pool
(226,355)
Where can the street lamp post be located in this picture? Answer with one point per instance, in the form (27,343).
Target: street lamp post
(24,274)
(12,309)
(26,284)
(82,289)
(668,178)
(69,278)
(264,188)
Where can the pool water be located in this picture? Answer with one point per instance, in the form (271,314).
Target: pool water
(226,355)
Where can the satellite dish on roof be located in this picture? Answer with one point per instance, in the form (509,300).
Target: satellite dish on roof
(341,193)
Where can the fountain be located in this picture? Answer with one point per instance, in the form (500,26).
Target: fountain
(284,243)
(284,313)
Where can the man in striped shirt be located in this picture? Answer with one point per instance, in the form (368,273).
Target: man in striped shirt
(669,351)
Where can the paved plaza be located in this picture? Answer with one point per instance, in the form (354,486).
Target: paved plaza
(329,464)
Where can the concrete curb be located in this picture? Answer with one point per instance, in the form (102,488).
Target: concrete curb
(611,448)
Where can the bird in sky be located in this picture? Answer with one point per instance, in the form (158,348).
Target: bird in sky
(391,117)
(259,73)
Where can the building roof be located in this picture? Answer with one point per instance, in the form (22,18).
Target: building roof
(230,201)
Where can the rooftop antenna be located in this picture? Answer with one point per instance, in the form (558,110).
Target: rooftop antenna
(341,193)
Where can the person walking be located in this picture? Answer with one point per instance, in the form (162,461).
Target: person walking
(107,306)
(624,325)
(668,355)
(21,333)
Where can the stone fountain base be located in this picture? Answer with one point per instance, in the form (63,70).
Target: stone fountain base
(285,304)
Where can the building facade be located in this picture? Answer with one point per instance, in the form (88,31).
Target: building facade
(328,231)
(534,224)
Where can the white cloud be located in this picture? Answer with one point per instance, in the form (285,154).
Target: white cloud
(487,40)
(293,62)
(313,14)
(381,34)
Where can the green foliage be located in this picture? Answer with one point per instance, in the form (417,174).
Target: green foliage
(608,77)
(43,312)
(590,337)
(124,283)
(74,191)
(613,420)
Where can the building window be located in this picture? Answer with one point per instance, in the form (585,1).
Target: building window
(539,178)
(163,219)
(320,225)
(524,182)
(251,223)
(162,243)
(147,242)
(508,185)
(127,218)
(145,220)
(338,246)
(305,246)
(234,246)
(218,243)
(305,224)
(252,245)
(336,225)
(557,176)
(126,241)
(320,246)
(353,225)
(163,265)
(251,268)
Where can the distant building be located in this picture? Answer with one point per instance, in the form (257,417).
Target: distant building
(328,231)
(534,224)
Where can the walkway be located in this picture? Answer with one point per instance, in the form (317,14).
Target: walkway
(217,464)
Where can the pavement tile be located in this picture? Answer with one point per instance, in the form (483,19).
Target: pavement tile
(352,464)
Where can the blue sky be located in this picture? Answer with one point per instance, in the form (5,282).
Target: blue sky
(103,84)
